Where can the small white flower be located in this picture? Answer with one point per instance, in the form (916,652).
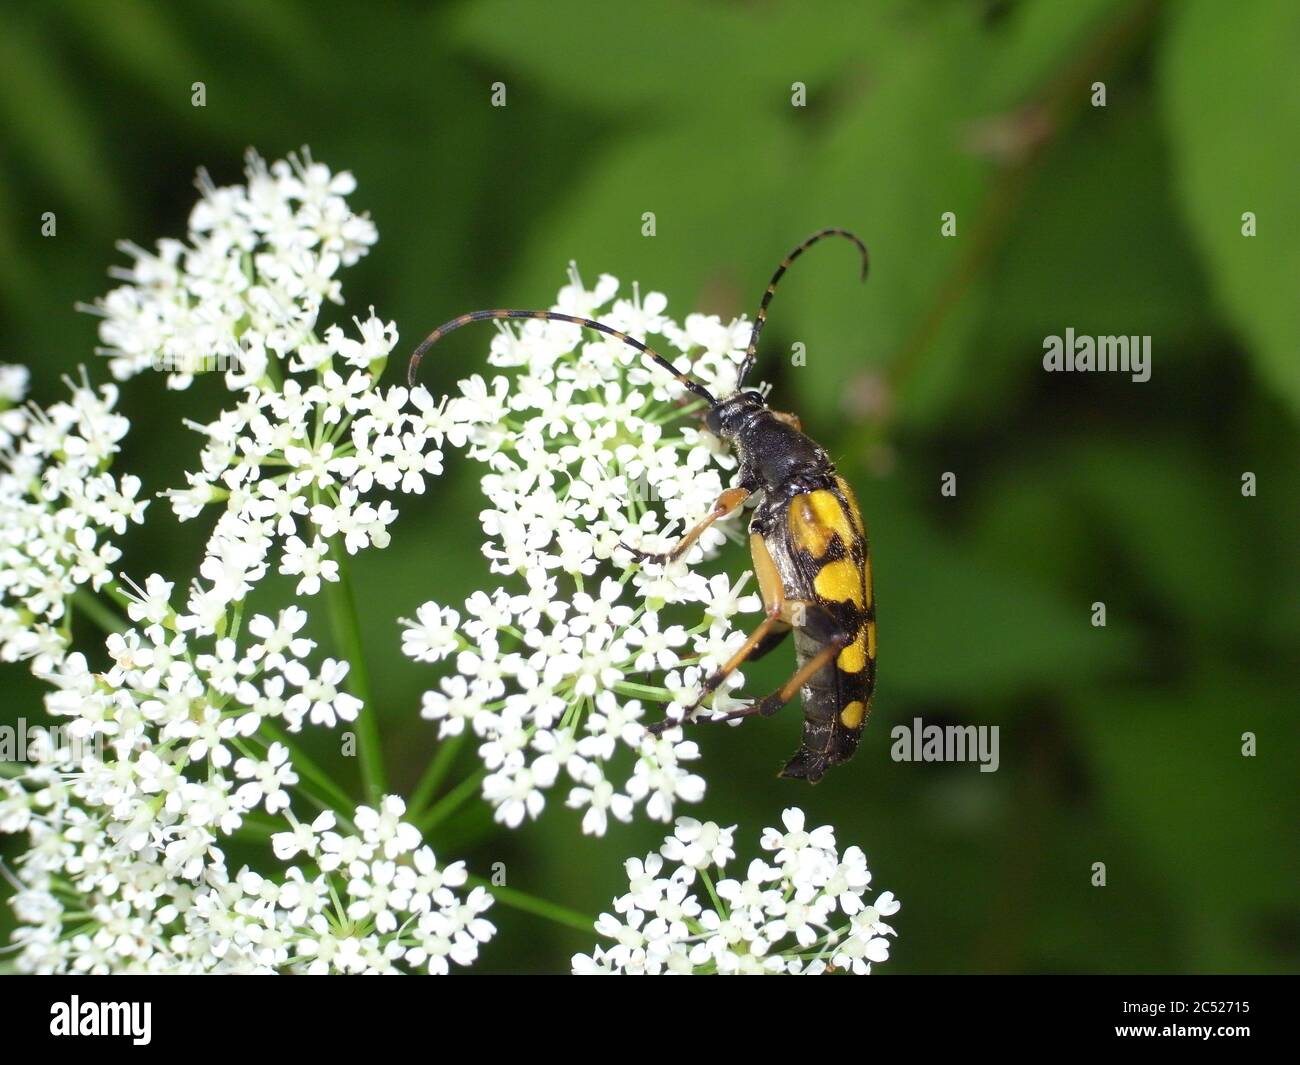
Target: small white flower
(311,561)
(695,845)
(432,635)
(320,699)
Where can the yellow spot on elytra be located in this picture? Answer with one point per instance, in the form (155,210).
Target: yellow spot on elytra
(871,640)
(805,530)
(839,582)
(853,659)
(867,579)
(816,518)
(830,512)
(851,716)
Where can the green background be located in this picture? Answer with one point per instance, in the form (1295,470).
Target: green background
(1119,744)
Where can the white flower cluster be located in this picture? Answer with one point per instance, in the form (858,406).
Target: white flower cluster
(99,896)
(803,912)
(560,670)
(295,467)
(58,503)
(246,288)
(164,756)
(184,739)
(294,460)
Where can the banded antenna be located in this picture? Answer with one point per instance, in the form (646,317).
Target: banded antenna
(751,352)
(553,316)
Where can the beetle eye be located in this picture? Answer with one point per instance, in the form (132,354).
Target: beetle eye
(714,421)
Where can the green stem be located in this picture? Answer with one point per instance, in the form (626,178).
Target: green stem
(517,900)
(258,826)
(439,766)
(99,612)
(116,593)
(347,633)
(713,895)
(452,801)
(643,691)
(339,799)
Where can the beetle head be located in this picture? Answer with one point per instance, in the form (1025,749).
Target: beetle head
(726,417)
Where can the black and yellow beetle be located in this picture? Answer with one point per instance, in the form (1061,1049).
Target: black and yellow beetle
(808,542)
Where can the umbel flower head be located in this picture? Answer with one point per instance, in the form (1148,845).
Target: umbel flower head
(801,910)
(558,670)
(245,290)
(184,739)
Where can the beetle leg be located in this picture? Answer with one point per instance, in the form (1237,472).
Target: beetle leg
(821,623)
(770,631)
(773,593)
(725,504)
(769,642)
(770,704)
(772,625)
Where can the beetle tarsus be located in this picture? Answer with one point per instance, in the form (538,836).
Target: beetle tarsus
(658,728)
(659,558)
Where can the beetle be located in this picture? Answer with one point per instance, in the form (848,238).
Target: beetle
(807,539)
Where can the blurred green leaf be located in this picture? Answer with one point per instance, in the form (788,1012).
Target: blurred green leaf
(1171,768)
(50,122)
(889,168)
(945,124)
(1154,529)
(1037,39)
(695,186)
(144,43)
(958,625)
(1096,246)
(701,57)
(1232,103)
(1174,522)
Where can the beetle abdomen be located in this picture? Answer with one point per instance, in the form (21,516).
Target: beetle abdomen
(828,549)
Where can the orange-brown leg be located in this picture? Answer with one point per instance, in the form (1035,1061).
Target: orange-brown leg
(782,614)
(774,625)
(770,630)
(778,622)
(770,704)
(725,504)
(808,615)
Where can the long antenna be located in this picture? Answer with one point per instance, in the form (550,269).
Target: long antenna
(553,316)
(751,352)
